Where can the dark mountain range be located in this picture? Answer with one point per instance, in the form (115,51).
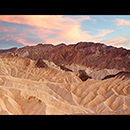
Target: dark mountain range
(89,54)
(13,50)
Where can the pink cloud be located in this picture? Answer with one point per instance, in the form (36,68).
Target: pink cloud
(7,29)
(65,28)
(23,41)
(39,21)
(73,33)
(4,29)
(20,40)
(9,37)
(122,22)
(10,34)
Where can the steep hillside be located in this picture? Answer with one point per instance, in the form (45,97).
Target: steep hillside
(28,89)
(88,54)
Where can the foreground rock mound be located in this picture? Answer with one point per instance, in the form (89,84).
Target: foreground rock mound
(41,64)
(83,75)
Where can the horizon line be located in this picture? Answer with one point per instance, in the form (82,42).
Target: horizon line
(67,44)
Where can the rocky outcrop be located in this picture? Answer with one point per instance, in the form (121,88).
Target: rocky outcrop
(124,74)
(83,75)
(65,68)
(109,76)
(40,64)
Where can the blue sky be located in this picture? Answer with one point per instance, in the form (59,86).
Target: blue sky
(22,30)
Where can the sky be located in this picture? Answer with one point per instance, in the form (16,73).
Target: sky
(22,30)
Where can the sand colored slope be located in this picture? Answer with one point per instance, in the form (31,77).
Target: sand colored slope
(25,89)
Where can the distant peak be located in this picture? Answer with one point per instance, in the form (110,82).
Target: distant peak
(61,44)
(40,44)
(14,49)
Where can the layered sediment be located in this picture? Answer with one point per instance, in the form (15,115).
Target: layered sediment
(27,89)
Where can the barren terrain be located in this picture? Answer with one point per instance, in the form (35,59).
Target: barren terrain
(40,86)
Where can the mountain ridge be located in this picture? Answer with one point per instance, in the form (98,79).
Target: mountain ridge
(89,54)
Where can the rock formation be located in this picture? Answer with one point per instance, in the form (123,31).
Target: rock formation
(83,75)
(88,54)
(65,68)
(121,74)
(41,64)
(80,79)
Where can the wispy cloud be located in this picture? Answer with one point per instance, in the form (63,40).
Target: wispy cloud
(7,29)
(103,19)
(122,22)
(103,32)
(78,17)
